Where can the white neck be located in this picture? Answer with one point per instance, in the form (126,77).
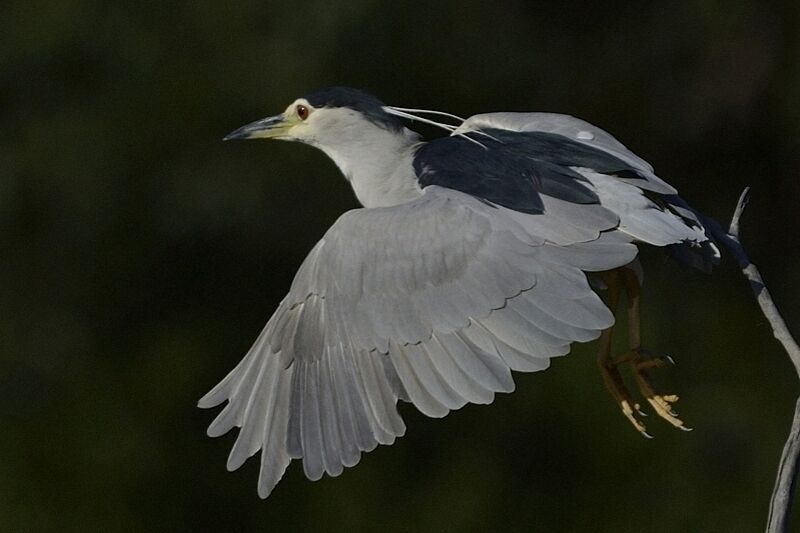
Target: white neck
(379,166)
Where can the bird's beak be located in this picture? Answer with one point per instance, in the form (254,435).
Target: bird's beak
(266,128)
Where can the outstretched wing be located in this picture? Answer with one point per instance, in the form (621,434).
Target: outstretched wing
(433,302)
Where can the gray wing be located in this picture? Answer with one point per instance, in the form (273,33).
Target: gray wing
(668,221)
(574,129)
(432,302)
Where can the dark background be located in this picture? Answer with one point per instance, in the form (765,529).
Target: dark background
(140,256)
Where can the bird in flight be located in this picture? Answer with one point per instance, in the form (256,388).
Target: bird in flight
(475,254)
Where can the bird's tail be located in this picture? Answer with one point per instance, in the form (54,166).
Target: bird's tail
(702,255)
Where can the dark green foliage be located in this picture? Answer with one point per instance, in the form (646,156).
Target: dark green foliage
(140,256)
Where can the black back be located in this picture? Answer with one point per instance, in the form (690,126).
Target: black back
(515,168)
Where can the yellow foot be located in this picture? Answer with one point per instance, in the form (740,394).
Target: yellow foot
(661,403)
(622,396)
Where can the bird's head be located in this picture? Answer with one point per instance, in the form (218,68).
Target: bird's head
(363,137)
(328,119)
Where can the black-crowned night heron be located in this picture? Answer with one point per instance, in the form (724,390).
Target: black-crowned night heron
(475,254)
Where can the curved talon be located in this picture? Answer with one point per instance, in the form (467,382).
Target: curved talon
(662,404)
(631,416)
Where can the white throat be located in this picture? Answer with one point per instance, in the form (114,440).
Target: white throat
(379,166)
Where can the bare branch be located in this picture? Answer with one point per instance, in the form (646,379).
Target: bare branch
(750,271)
(737,213)
(780,504)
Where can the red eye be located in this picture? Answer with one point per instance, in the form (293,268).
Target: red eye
(302,112)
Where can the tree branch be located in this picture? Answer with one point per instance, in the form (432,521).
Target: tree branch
(780,504)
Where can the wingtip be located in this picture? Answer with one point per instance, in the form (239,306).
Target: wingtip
(211,399)
(263,493)
(206,403)
(233,464)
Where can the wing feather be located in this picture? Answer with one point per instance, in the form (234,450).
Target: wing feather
(274,457)
(573,129)
(421,396)
(248,442)
(386,422)
(354,427)
(497,342)
(329,419)
(462,382)
(485,368)
(311,437)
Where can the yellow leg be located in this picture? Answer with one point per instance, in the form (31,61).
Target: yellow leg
(616,281)
(661,403)
(609,368)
